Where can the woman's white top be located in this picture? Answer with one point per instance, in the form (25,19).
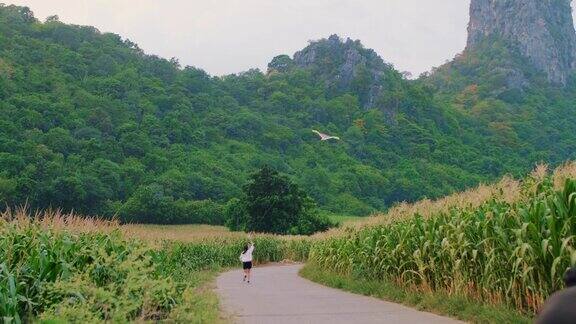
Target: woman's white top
(247,256)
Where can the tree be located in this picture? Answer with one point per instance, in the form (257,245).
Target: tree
(281,63)
(274,204)
(89,122)
(148,204)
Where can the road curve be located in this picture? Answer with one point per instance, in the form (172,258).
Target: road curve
(278,295)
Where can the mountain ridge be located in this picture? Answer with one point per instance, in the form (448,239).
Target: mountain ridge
(92,124)
(345,65)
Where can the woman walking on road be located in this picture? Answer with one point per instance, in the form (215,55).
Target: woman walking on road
(246,258)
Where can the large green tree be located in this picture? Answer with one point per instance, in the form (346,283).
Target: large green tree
(274,204)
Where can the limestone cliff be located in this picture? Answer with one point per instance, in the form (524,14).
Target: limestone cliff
(541,30)
(344,66)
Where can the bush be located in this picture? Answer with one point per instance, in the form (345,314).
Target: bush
(198,212)
(310,223)
(236,215)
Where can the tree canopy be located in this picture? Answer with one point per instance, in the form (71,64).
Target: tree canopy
(90,123)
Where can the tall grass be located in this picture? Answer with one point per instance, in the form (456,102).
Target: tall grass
(502,247)
(76,269)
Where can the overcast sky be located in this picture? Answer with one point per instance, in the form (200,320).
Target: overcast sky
(230,36)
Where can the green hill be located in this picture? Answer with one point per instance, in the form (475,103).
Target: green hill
(90,123)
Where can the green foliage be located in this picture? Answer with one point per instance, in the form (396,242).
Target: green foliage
(57,276)
(274,204)
(237,217)
(340,219)
(516,253)
(150,204)
(281,63)
(86,277)
(90,123)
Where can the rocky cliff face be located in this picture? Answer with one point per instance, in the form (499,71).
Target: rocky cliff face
(343,65)
(541,30)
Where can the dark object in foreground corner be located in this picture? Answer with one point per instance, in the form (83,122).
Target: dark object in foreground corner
(560,308)
(570,278)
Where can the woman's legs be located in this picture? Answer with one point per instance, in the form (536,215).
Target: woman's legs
(247,266)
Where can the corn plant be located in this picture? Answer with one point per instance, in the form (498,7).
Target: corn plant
(512,252)
(48,272)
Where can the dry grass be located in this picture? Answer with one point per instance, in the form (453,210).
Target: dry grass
(55,219)
(561,174)
(182,233)
(75,223)
(507,189)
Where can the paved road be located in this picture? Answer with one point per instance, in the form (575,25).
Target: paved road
(278,295)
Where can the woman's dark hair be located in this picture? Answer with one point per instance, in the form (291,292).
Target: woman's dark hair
(245,248)
(570,277)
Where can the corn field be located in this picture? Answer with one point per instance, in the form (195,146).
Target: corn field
(502,251)
(65,268)
(56,275)
(506,243)
(217,253)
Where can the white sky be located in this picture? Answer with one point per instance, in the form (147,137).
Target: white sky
(230,36)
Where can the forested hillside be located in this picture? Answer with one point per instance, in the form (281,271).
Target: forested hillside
(90,123)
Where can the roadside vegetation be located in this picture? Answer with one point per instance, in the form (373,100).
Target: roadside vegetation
(64,268)
(493,253)
(508,248)
(455,306)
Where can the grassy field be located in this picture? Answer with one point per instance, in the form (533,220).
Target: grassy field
(180,233)
(195,233)
(344,219)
